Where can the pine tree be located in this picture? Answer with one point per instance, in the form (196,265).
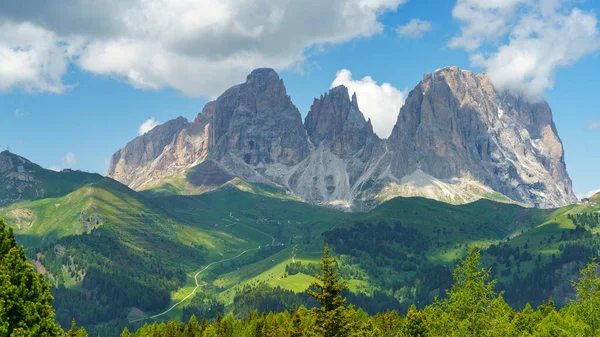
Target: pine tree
(588,291)
(296,325)
(25,300)
(126,333)
(75,332)
(192,329)
(416,323)
(472,308)
(332,318)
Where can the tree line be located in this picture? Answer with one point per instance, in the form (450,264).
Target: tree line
(471,307)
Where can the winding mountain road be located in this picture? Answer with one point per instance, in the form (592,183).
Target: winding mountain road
(195,288)
(294,254)
(209,265)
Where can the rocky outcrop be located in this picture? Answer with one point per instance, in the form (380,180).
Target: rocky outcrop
(456,135)
(16,180)
(257,122)
(163,151)
(347,153)
(337,123)
(21,180)
(454,124)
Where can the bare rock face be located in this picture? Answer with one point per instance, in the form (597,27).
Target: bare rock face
(257,122)
(16,181)
(346,151)
(20,180)
(337,123)
(165,150)
(454,124)
(456,139)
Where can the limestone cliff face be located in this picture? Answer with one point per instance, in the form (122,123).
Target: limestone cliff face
(337,123)
(257,122)
(454,124)
(346,151)
(165,150)
(456,139)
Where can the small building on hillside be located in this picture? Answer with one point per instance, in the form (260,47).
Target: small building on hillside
(20,169)
(66,170)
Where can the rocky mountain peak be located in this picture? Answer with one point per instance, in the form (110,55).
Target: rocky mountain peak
(143,151)
(455,129)
(336,121)
(355,102)
(455,124)
(257,122)
(262,76)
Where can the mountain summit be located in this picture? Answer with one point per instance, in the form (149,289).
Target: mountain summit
(456,139)
(21,180)
(455,124)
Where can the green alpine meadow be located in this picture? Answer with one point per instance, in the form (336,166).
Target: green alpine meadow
(307,168)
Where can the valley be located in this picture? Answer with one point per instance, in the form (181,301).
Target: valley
(117,257)
(229,213)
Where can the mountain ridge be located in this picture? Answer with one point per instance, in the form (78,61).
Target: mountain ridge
(454,127)
(22,180)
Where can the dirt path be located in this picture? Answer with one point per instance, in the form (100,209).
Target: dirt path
(237,222)
(196,288)
(294,254)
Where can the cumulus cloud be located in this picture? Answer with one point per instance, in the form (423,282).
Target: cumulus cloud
(380,103)
(54,168)
(592,125)
(415,29)
(521,43)
(148,125)
(33,58)
(70,159)
(198,47)
(588,194)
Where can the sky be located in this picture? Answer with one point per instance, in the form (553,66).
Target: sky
(78,80)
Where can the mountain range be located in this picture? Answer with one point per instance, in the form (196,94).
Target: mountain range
(219,211)
(457,139)
(117,257)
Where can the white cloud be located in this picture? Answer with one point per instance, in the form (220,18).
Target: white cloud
(69,159)
(588,194)
(415,29)
(148,125)
(198,47)
(380,103)
(592,125)
(20,113)
(33,58)
(521,43)
(54,168)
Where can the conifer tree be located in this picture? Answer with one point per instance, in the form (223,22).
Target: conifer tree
(416,323)
(588,292)
(76,332)
(296,325)
(25,300)
(472,308)
(332,317)
(126,333)
(192,329)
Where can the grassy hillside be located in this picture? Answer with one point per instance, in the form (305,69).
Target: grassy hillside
(20,179)
(120,255)
(199,179)
(402,251)
(106,238)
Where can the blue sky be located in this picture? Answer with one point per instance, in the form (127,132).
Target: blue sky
(91,99)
